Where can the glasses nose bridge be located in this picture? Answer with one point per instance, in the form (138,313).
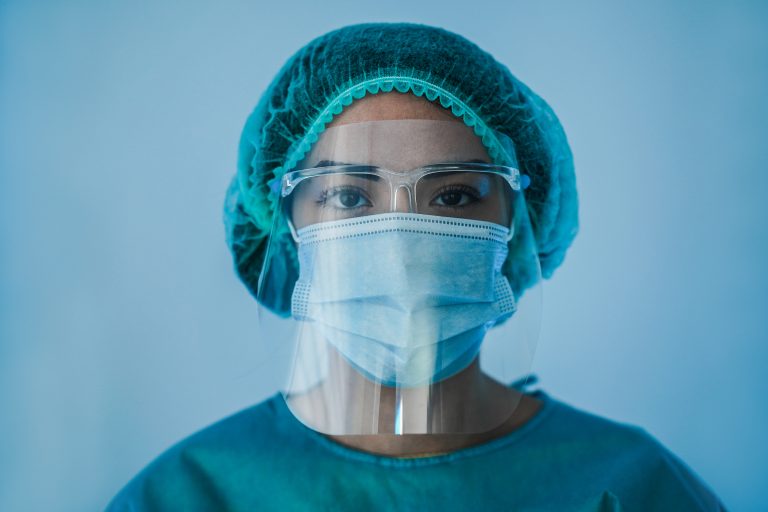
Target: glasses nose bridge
(403,198)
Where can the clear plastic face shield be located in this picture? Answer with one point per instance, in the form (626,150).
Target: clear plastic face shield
(416,298)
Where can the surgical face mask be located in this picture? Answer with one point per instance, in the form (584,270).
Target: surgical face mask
(405,298)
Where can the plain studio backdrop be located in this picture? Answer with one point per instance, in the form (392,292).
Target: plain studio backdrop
(123,327)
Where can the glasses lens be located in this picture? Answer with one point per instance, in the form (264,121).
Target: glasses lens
(471,194)
(338,196)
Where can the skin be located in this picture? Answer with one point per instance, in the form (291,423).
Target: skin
(495,409)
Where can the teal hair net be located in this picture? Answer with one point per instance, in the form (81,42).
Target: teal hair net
(335,69)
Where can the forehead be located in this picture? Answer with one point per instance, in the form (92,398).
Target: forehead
(397,131)
(391,106)
(397,144)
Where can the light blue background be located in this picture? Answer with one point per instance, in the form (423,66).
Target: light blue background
(124,329)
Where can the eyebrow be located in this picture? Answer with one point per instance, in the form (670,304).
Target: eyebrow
(330,163)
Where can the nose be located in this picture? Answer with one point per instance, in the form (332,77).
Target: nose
(402,200)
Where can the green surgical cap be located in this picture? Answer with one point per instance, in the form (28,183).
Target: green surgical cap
(335,69)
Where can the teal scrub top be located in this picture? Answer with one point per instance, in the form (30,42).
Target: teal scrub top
(263,458)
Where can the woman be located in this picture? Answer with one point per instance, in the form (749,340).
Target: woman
(399,197)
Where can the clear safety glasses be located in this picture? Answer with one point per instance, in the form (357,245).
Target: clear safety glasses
(471,190)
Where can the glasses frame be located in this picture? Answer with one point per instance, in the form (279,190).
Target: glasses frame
(397,179)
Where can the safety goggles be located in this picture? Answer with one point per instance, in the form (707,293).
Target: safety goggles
(469,190)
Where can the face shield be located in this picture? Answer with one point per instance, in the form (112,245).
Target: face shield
(413,277)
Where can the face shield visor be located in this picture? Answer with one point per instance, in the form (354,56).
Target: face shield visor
(409,262)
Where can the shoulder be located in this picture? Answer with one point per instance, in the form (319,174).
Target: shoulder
(621,459)
(189,475)
(571,425)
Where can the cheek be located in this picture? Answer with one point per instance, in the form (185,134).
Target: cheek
(300,209)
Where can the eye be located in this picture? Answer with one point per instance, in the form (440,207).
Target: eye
(455,196)
(346,198)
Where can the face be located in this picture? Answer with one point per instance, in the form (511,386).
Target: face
(400,134)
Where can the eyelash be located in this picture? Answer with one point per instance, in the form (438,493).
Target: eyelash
(333,191)
(471,192)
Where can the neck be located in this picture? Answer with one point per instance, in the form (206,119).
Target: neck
(465,409)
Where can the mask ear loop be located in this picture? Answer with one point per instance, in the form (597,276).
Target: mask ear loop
(511,230)
(292,229)
(525,182)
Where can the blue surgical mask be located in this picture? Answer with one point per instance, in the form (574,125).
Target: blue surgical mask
(406,298)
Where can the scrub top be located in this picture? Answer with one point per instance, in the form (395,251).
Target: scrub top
(263,458)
